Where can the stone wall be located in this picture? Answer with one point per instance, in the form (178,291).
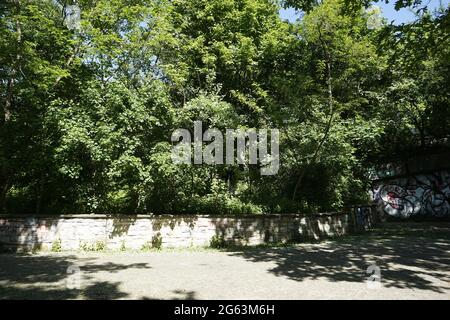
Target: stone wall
(97,232)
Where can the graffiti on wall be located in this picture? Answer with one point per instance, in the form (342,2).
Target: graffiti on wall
(363,217)
(419,195)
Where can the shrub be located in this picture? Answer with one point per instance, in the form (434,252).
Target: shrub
(157,241)
(56,246)
(122,246)
(97,246)
(217,242)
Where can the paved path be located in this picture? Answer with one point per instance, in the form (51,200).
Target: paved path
(413,264)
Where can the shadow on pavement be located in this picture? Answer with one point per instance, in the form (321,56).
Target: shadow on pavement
(413,257)
(24,276)
(408,256)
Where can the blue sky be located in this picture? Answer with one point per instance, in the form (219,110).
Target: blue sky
(401,16)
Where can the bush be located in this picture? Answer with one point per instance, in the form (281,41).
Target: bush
(157,241)
(56,246)
(217,242)
(97,246)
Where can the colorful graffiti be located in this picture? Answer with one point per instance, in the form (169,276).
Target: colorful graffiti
(419,195)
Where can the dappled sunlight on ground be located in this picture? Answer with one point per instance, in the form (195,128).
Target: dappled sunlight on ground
(414,262)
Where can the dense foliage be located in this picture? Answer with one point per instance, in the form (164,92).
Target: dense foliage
(89,108)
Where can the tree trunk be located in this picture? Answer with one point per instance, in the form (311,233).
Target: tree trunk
(3,191)
(329,122)
(7,112)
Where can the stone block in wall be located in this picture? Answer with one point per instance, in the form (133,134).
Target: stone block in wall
(135,232)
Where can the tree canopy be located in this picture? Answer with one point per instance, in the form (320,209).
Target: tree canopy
(89,107)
